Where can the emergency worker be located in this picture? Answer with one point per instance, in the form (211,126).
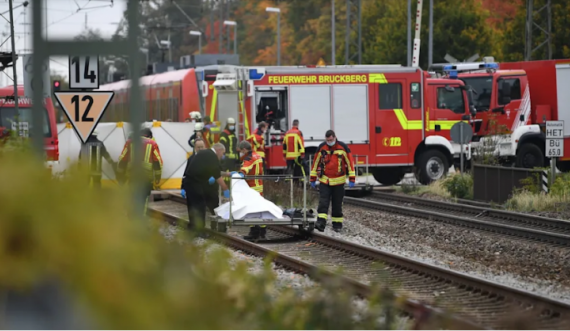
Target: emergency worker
(229,140)
(294,150)
(198,133)
(92,154)
(333,162)
(195,116)
(152,163)
(213,131)
(211,192)
(252,165)
(201,172)
(257,141)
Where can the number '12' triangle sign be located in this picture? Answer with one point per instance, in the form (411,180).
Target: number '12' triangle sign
(84,109)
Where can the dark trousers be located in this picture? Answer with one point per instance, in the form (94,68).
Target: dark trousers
(197,205)
(295,167)
(327,194)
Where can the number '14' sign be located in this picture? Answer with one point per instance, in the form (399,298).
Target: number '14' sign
(84,72)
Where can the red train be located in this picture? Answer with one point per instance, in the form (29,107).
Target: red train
(167,96)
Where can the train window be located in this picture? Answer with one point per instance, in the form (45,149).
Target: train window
(415,95)
(8,115)
(390,96)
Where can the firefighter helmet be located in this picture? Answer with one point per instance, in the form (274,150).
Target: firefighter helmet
(199,127)
(231,120)
(95,133)
(146,132)
(195,115)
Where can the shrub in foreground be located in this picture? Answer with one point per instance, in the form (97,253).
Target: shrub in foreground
(122,274)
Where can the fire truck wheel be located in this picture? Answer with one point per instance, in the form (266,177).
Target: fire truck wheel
(388,176)
(433,165)
(530,156)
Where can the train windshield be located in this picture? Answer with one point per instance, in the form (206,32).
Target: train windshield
(8,116)
(482,88)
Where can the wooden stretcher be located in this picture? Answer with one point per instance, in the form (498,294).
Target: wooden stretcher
(305,223)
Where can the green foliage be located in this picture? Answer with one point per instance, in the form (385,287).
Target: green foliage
(530,196)
(459,186)
(409,188)
(127,276)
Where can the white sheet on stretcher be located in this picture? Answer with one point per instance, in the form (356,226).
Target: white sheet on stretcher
(247,203)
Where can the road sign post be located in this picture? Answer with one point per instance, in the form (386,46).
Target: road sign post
(84,108)
(461,133)
(554,145)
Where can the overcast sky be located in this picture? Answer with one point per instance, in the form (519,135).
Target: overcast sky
(65,19)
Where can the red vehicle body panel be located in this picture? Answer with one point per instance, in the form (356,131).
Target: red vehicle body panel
(51,141)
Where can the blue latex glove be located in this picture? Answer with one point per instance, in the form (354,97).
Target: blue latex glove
(212,180)
(183,193)
(227,194)
(351,184)
(314,184)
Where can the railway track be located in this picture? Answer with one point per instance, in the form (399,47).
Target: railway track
(475,303)
(546,230)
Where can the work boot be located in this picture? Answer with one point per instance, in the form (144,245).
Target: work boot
(320,224)
(253,233)
(262,232)
(337,226)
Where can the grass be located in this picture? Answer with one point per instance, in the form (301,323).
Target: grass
(526,201)
(435,188)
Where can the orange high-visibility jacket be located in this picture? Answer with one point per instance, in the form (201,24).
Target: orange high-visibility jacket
(253,166)
(332,164)
(293,144)
(152,160)
(257,141)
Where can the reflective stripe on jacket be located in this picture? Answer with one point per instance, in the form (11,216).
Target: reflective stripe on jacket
(332,164)
(253,166)
(152,160)
(257,141)
(229,140)
(293,144)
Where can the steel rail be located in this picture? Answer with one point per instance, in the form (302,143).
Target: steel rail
(482,297)
(437,317)
(525,226)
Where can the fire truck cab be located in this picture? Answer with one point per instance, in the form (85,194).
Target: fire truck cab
(394,119)
(513,101)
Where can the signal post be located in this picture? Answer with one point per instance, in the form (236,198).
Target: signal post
(84,107)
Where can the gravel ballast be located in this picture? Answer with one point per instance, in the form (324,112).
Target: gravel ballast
(521,264)
(284,279)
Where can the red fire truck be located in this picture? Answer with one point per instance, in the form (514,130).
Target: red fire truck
(21,121)
(395,118)
(519,97)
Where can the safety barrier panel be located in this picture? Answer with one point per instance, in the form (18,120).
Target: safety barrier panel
(172,139)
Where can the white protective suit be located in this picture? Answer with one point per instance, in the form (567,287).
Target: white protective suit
(247,203)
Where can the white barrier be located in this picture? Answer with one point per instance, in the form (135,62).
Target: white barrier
(172,139)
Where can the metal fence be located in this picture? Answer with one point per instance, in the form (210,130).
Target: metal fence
(43,49)
(496,184)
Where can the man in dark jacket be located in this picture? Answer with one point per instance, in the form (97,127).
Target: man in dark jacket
(211,194)
(201,172)
(92,153)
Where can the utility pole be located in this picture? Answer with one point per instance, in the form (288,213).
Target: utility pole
(354,9)
(14,58)
(430,41)
(409,33)
(333,35)
(545,26)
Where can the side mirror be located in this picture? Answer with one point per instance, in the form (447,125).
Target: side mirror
(472,110)
(449,88)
